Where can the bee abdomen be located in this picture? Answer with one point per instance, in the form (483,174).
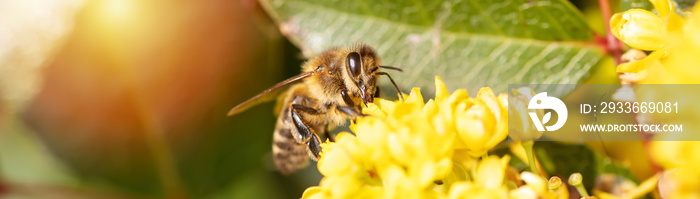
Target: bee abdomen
(288,154)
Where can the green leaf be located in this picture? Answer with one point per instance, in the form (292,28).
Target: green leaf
(685,4)
(646,5)
(630,4)
(470,44)
(563,159)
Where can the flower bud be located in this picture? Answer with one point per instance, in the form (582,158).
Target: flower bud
(575,179)
(639,29)
(520,126)
(554,183)
(482,125)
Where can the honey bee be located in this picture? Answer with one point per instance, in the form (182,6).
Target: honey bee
(325,95)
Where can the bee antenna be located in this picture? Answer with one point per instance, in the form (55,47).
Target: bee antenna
(391,68)
(392,82)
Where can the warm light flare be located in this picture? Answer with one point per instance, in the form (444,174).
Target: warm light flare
(114,26)
(117,11)
(116,16)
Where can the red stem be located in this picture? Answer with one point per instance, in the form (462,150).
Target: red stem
(3,190)
(613,46)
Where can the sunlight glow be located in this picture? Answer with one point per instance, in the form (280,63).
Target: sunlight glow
(117,11)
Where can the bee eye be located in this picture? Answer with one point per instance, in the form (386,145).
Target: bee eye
(354,64)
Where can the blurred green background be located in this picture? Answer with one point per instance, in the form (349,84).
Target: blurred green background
(128,99)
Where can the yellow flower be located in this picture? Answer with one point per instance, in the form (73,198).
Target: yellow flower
(679,67)
(488,182)
(675,62)
(645,30)
(536,187)
(412,149)
(673,154)
(409,149)
(680,183)
(680,64)
(482,125)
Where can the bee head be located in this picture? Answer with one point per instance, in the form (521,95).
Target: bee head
(361,66)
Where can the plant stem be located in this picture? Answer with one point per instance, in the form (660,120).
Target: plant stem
(612,45)
(582,190)
(528,145)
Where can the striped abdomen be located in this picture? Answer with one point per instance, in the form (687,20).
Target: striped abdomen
(288,154)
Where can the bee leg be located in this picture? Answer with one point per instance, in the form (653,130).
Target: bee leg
(306,134)
(314,146)
(346,98)
(350,111)
(304,131)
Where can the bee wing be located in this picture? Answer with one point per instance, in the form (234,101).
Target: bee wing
(267,95)
(279,104)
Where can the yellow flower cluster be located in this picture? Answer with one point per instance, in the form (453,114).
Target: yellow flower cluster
(412,149)
(675,42)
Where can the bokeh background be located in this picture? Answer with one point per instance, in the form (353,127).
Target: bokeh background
(128,99)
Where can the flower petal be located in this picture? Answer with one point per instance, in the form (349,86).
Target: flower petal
(490,173)
(313,193)
(440,89)
(535,182)
(636,66)
(663,7)
(415,97)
